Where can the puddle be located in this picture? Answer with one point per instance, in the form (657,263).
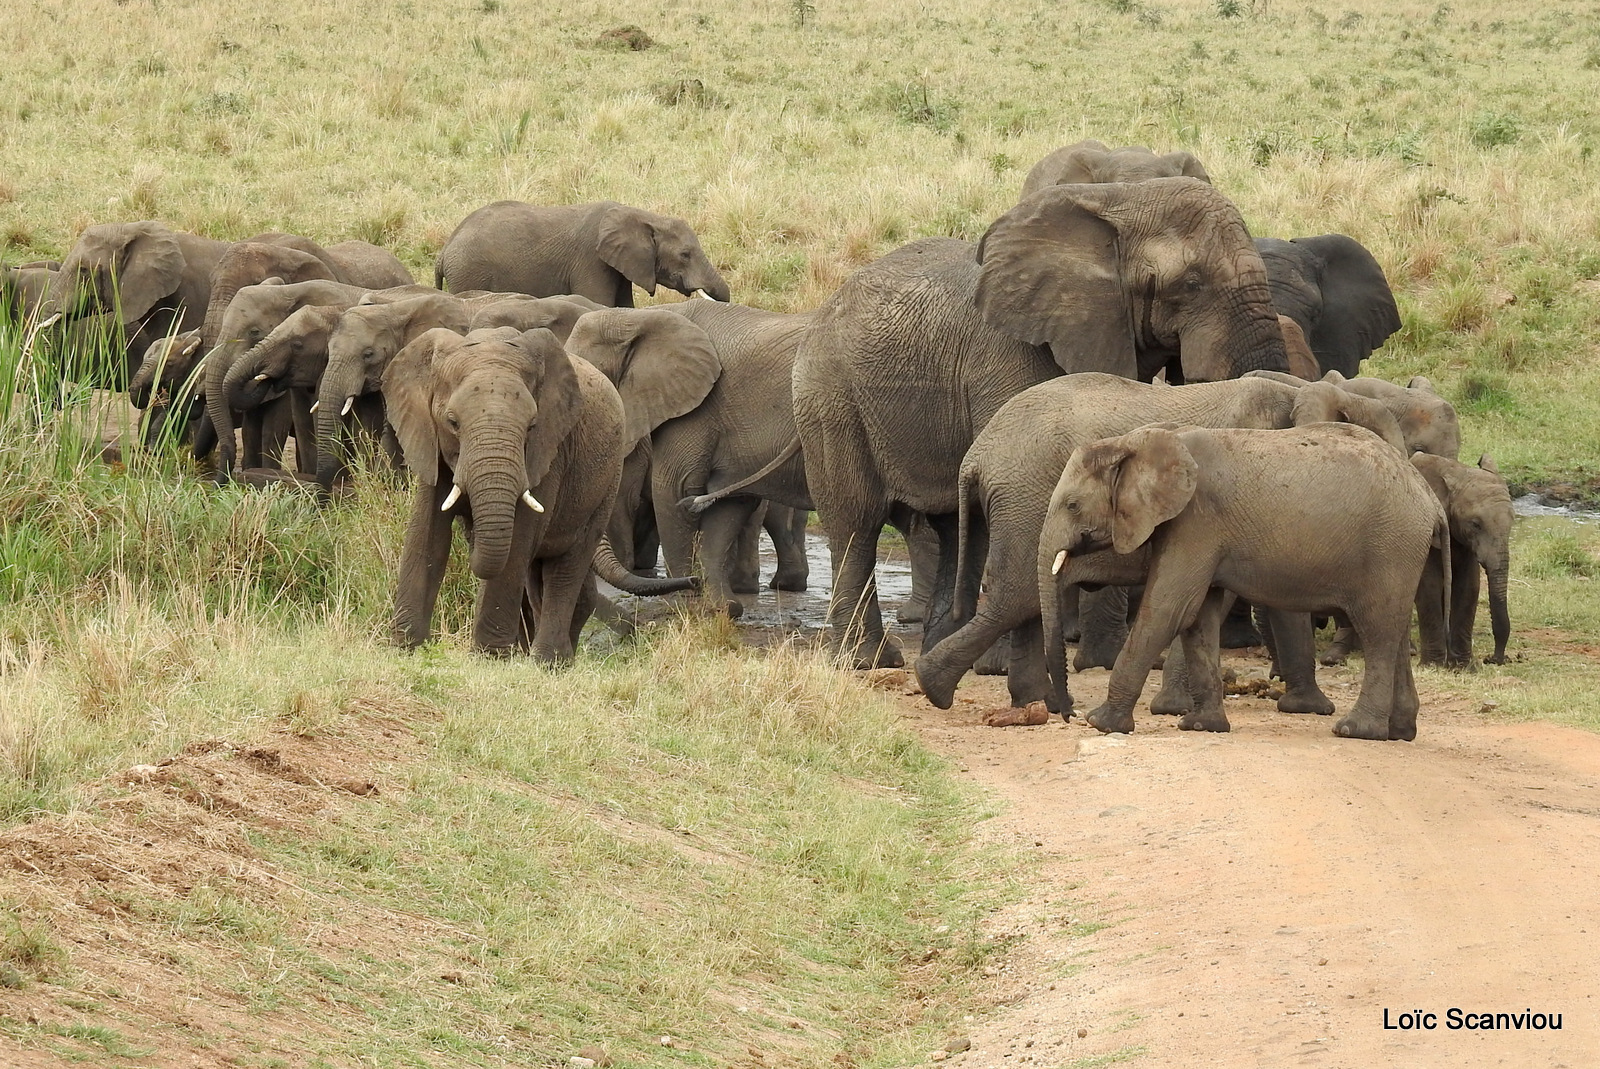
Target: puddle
(1534,505)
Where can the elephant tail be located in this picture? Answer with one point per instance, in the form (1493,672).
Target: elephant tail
(694,506)
(609,568)
(1441,546)
(438,274)
(972,546)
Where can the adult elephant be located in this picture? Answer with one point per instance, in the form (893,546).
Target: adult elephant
(1335,290)
(524,445)
(150,280)
(1478,507)
(1005,484)
(909,359)
(1092,161)
(730,366)
(599,251)
(368,336)
(1278,516)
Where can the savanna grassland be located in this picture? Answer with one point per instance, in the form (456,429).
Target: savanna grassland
(677,837)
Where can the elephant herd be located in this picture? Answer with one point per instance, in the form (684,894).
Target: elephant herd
(1117,387)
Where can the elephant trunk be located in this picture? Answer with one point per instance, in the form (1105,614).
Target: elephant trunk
(493,475)
(608,567)
(1499,617)
(1053,612)
(241,389)
(339,385)
(1257,343)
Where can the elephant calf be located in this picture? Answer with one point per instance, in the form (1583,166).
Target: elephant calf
(1311,519)
(1479,509)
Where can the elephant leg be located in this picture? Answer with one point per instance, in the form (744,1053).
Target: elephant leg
(561,584)
(275,426)
(1174,697)
(1237,631)
(854,615)
(744,570)
(721,527)
(1385,634)
(1345,642)
(646,540)
(938,621)
(1103,627)
(1297,659)
(305,432)
(1403,717)
(1174,591)
(677,530)
(1026,680)
(787,528)
(250,433)
(588,601)
(1465,579)
(423,559)
(610,613)
(922,549)
(1263,624)
(1430,612)
(1202,655)
(499,626)
(996,660)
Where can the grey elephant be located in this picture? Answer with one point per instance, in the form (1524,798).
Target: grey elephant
(1282,517)
(368,336)
(23,289)
(599,251)
(1092,161)
(1005,485)
(1478,506)
(731,365)
(1336,291)
(1427,422)
(913,354)
(523,444)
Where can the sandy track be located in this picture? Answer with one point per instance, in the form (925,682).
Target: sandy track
(1267,894)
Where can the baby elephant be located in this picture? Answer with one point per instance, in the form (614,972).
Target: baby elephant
(1479,507)
(1318,518)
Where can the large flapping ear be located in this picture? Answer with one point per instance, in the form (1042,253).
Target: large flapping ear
(558,397)
(1051,274)
(1323,402)
(1360,312)
(408,389)
(149,268)
(1302,361)
(662,363)
(1154,482)
(628,243)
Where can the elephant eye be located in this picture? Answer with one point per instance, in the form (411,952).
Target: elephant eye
(1192,281)
(368,354)
(1072,507)
(450,418)
(254,332)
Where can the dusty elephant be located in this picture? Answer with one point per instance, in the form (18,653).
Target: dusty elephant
(1005,484)
(1279,517)
(897,375)
(524,444)
(599,251)
(1092,161)
(1478,506)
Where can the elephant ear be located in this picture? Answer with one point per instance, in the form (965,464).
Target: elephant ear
(559,398)
(1185,164)
(1421,382)
(149,268)
(408,402)
(1051,274)
(1154,481)
(1323,402)
(1486,462)
(1360,312)
(628,244)
(1292,279)
(662,363)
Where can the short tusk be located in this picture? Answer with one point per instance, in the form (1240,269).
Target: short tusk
(349,403)
(1061,560)
(314,406)
(263,377)
(704,294)
(532,502)
(455,495)
(49,322)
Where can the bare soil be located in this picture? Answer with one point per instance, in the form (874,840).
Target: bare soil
(1262,898)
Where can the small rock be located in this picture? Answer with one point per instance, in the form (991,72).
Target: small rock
(1488,707)
(1324,961)
(958,1044)
(1082,1032)
(666,1041)
(595,1055)
(143,772)
(1035,714)
(887,678)
(937,1056)
(580,1063)
(631,38)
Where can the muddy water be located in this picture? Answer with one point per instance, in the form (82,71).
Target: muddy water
(1534,505)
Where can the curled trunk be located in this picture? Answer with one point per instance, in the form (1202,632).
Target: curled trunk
(609,568)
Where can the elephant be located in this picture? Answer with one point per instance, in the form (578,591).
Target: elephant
(599,251)
(1091,161)
(169,367)
(373,267)
(733,366)
(369,335)
(524,444)
(907,361)
(1282,517)
(23,289)
(1428,423)
(1478,507)
(1005,484)
(1334,289)
(152,281)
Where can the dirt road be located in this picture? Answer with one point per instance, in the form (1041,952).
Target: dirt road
(1262,898)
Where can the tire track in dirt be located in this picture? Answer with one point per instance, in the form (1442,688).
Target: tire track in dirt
(1267,894)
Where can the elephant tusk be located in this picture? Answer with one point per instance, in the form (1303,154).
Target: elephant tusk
(1060,562)
(455,495)
(704,294)
(349,403)
(263,377)
(532,502)
(314,406)
(49,322)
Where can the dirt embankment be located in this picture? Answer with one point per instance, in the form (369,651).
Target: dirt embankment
(1262,898)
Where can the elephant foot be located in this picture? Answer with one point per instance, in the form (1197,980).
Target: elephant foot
(1403,733)
(1497,657)
(783,580)
(1109,720)
(913,611)
(1164,704)
(745,586)
(733,608)
(1305,700)
(1334,657)
(1362,727)
(882,652)
(938,683)
(1211,721)
(1467,665)
(1094,656)
(996,660)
